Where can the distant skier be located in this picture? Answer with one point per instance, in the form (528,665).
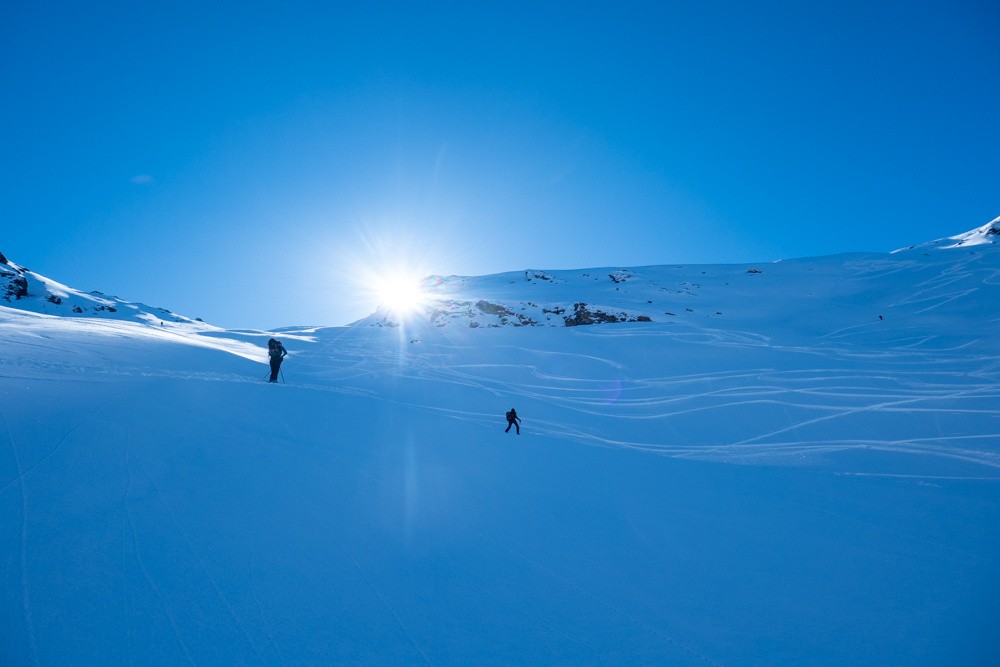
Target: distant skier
(513,420)
(277,352)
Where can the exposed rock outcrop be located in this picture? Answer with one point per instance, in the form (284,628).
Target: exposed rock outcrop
(582,314)
(16,288)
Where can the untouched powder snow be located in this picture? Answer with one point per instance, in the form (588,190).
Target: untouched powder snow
(777,475)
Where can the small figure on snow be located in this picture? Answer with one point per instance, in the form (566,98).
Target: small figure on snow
(513,420)
(277,352)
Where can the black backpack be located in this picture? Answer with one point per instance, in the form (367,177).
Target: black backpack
(510,415)
(274,347)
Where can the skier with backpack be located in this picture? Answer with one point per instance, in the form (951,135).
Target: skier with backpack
(513,420)
(277,352)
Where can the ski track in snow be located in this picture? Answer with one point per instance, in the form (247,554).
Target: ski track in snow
(254,585)
(59,445)
(899,386)
(124,540)
(25,595)
(200,563)
(129,520)
(881,406)
(168,612)
(907,395)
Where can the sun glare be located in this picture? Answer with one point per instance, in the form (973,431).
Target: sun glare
(388,273)
(400,294)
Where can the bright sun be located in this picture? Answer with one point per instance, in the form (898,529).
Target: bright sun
(400,294)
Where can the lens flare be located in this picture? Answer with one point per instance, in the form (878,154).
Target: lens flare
(400,294)
(390,275)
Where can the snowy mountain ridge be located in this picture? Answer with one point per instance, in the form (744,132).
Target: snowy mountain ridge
(26,290)
(743,295)
(988,233)
(564,298)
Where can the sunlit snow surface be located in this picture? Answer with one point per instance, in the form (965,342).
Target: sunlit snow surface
(772,474)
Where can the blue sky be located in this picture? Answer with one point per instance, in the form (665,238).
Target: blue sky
(247,162)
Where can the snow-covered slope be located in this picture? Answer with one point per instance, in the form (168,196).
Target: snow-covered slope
(878,294)
(988,233)
(26,290)
(772,474)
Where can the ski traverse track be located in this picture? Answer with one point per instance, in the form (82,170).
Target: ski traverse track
(884,389)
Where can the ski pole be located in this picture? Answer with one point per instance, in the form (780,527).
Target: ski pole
(282,376)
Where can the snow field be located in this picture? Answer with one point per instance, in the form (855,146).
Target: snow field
(821,489)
